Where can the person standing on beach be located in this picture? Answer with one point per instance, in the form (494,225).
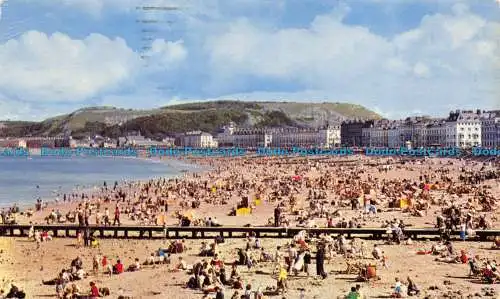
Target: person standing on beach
(117,216)
(106,217)
(320,262)
(277,214)
(86,236)
(86,217)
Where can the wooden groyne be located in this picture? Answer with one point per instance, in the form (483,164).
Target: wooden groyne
(194,232)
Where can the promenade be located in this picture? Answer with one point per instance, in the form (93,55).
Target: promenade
(194,232)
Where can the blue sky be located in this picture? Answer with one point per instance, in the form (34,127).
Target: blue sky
(396,57)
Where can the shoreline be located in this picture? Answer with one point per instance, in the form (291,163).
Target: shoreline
(179,165)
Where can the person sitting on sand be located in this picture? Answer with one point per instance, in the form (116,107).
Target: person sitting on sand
(204,250)
(488,274)
(238,283)
(462,258)
(234,272)
(192,283)
(45,236)
(77,263)
(265,257)
(79,274)
(150,260)
(72,291)
(376,252)
(413,289)
(353,294)
(222,276)
(15,292)
(496,244)
(136,266)
(94,291)
(473,266)
(118,267)
(182,265)
(438,248)
(236,295)
(248,292)
(216,262)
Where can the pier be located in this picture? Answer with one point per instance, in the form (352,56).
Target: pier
(202,232)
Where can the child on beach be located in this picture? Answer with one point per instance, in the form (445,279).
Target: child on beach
(95,265)
(79,239)
(385,263)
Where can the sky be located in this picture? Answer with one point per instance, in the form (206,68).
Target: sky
(396,57)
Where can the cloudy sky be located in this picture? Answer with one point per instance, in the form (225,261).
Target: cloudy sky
(397,57)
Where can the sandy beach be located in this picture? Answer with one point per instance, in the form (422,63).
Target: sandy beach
(311,192)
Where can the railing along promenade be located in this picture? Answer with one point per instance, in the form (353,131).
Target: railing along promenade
(201,232)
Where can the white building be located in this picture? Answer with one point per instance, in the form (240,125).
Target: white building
(465,128)
(328,136)
(244,137)
(490,129)
(198,139)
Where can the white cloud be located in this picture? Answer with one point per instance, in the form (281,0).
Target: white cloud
(454,56)
(167,54)
(57,67)
(38,67)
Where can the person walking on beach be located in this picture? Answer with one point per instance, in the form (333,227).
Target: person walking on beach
(117,216)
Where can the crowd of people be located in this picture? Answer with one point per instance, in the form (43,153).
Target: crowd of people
(301,192)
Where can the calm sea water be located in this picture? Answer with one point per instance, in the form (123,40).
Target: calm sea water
(19,176)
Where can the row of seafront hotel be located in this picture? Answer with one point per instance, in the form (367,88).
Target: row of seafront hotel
(464,128)
(459,129)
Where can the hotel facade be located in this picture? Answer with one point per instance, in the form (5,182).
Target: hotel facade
(462,128)
(328,136)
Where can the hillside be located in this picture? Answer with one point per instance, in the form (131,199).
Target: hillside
(206,116)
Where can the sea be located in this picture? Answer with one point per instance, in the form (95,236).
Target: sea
(23,179)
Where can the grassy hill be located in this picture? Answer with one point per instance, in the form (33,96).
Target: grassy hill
(206,116)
